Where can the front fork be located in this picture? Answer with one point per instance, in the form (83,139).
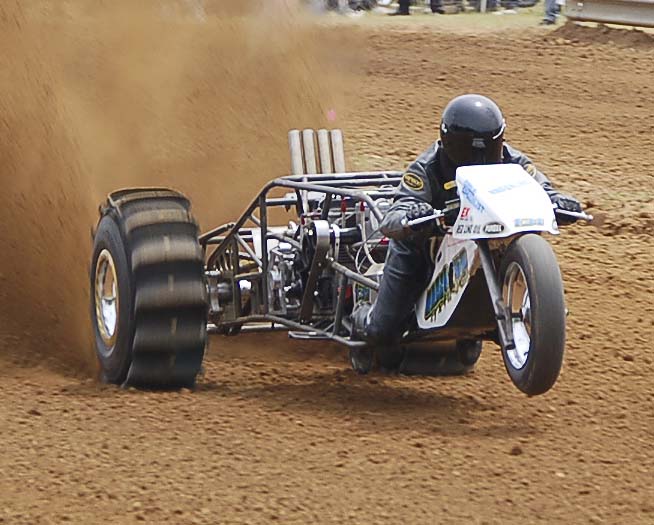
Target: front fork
(500,310)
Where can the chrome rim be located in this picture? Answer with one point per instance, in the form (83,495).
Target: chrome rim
(106,298)
(515,293)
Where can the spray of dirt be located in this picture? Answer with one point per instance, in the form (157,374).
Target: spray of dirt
(98,95)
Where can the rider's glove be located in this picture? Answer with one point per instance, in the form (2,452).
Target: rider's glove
(451,216)
(417,211)
(566,203)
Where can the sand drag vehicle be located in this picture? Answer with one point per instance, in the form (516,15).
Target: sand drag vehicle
(158,287)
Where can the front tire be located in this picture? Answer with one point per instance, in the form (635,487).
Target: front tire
(532,290)
(148,296)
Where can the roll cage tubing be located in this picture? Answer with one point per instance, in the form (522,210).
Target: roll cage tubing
(341,184)
(361,187)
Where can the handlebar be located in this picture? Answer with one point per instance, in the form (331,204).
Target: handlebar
(580,216)
(421,220)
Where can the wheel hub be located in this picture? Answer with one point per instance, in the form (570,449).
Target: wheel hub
(106,298)
(516,297)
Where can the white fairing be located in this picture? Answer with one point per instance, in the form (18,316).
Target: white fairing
(500,200)
(497,200)
(456,261)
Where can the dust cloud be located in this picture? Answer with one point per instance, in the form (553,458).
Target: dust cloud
(104,94)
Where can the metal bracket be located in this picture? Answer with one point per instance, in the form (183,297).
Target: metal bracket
(320,232)
(624,12)
(499,308)
(304,336)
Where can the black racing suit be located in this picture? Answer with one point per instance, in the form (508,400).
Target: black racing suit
(407,265)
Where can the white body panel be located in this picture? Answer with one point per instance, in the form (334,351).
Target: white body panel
(456,262)
(500,200)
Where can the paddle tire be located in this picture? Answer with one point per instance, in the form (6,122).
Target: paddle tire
(450,358)
(148,295)
(468,353)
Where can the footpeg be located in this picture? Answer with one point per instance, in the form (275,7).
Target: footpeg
(313,336)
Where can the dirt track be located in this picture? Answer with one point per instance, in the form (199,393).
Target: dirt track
(284,431)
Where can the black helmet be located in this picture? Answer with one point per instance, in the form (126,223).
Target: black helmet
(472,131)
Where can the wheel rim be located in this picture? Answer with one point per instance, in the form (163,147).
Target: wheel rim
(515,293)
(106,298)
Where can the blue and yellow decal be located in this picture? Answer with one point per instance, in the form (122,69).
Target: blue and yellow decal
(450,280)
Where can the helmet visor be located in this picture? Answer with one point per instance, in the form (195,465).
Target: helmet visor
(464,149)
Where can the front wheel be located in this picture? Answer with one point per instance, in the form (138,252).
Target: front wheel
(532,290)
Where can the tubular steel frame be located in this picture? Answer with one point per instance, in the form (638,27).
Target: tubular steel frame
(362,187)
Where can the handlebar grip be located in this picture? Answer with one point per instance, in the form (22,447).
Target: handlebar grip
(422,220)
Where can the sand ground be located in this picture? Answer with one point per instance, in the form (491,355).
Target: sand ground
(279,430)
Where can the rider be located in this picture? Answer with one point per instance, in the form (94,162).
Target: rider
(471,133)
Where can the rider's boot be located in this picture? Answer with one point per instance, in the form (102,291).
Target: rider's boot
(362,359)
(360,321)
(389,354)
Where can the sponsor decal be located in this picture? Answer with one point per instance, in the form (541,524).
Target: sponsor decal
(468,229)
(508,187)
(465,214)
(531,169)
(494,228)
(450,185)
(520,223)
(362,294)
(471,194)
(412,181)
(449,281)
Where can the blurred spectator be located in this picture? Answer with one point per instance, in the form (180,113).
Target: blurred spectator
(403,9)
(436,6)
(552,10)
(552,7)
(491,5)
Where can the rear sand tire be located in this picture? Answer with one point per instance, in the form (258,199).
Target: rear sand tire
(148,296)
(455,359)
(468,352)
